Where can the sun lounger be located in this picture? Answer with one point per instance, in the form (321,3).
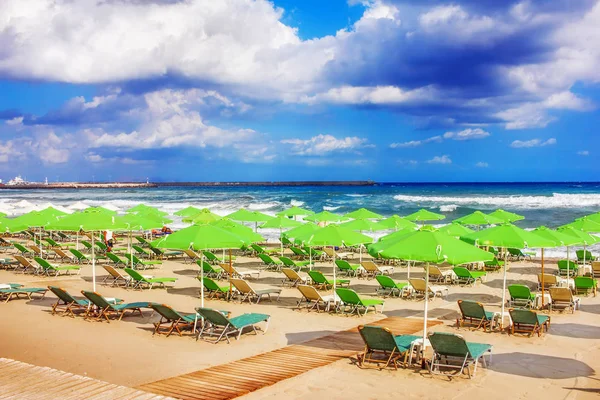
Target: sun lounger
(115,277)
(118,261)
(269,262)
(105,309)
(142,241)
(330,253)
(56,270)
(390,287)
(42,253)
(142,264)
(352,303)
(66,303)
(176,320)
(54,245)
(321,282)
(584,255)
(573,268)
(213,259)
(213,289)
(380,341)
(562,299)
(162,254)
(14,292)
(549,281)
(586,285)
(292,277)
(212,271)
(348,269)
(372,269)
(238,272)
(28,266)
(451,351)
(473,312)
(191,256)
(418,289)
(60,253)
(142,252)
(139,281)
(313,299)
(296,265)
(299,253)
(249,293)
(493,266)
(22,250)
(528,321)
(436,275)
(596,269)
(261,250)
(520,296)
(518,254)
(218,325)
(80,257)
(466,277)
(313,253)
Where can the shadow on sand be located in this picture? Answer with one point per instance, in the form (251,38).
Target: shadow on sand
(539,366)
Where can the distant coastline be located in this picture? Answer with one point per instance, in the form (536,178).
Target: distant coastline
(126,185)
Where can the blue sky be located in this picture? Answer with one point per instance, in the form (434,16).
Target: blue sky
(388,90)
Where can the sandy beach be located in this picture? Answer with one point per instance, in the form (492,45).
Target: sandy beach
(562,364)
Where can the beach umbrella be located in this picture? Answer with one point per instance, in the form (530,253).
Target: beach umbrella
(424,215)
(325,216)
(100,209)
(396,222)
(363,213)
(301,230)
(455,229)
(506,216)
(188,211)
(239,230)
(138,207)
(89,221)
(11,225)
(249,216)
(585,224)
(334,235)
(505,236)
(201,237)
(433,247)
(202,217)
(362,225)
(280,222)
(2,215)
(478,218)
(585,239)
(294,212)
(141,222)
(39,219)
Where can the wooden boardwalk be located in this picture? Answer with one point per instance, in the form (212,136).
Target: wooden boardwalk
(25,381)
(243,376)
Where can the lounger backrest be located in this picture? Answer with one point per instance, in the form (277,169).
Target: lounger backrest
(329,251)
(287,261)
(448,344)
(471,309)
(166,311)
(581,253)
(385,281)
(96,299)
(377,338)
(113,272)
(348,295)
(561,294)
(548,279)
(515,252)
(241,285)
(521,316)
(24,262)
(101,245)
(317,276)
(206,267)
(139,249)
(257,248)
(191,253)
(113,257)
(210,255)
(61,253)
(596,268)
(266,259)
(584,282)
(77,254)
(434,270)
(342,264)
(61,294)
(290,274)
(562,264)
(156,251)
(21,248)
(136,276)
(43,263)
(519,292)
(209,283)
(297,251)
(309,292)
(369,266)
(86,244)
(36,249)
(462,272)
(417,284)
(227,268)
(214,316)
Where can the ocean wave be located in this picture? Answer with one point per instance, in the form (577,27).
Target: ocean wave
(296,203)
(331,208)
(263,206)
(356,195)
(448,208)
(557,200)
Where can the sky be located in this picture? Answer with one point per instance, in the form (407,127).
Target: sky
(256,90)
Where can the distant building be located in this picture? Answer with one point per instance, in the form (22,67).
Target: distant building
(17,180)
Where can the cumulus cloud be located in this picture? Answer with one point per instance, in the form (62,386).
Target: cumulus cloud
(467,134)
(532,143)
(322,145)
(445,159)
(482,164)
(583,153)
(416,143)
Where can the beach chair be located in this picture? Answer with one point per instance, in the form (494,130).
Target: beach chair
(292,277)
(80,257)
(466,277)
(297,265)
(453,352)
(299,253)
(22,250)
(142,252)
(573,268)
(28,266)
(191,256)
(313,299)
(562,299)
(387,286)
(348,269)
(520,296)
(418,289)
(584,255)
(15,291)
(269,262)
(352,303)
(528,321)
(212,271)
(118,261)
(218,325)
(330,253)
(249,293)
(262,250)
(54,245)
(473,312)
(60,254)
(213,289)
(66,303)
(165,254)
(49,269)
(549,281)
(595,269)
(388,348)
(42,253)
(63,236)
(586,285)
(176,320)
(493,266)
(141,264)
(142,241)
(321,282)
(88,246)
(518,254)
(238,272)
(313,253)
(139,281)
(285,241)
(212,258)
(114,277)
(372,269)
(436,275)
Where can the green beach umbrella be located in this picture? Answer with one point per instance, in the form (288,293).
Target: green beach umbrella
(584,224)
(397,222)
(10,225)
(202,217)
(141,222)
(363,213)
(2,215)
(280,222)
(585,239)
(39,219)
(188,211)
(424,215)
(455,229)
(325,216)
(479,218)
(249,216)
(301,231)
(294,212)
(101,209)
(240,230)
(506,216)
(363,225)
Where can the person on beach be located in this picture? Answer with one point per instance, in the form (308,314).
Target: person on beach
(108,240)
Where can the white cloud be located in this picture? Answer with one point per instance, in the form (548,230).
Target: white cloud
(372,95)
(14,121)
(527,115)
(532,143)
(482,164)
(583,153)
(416,143)
(321,145)
(467,134)
(445,159)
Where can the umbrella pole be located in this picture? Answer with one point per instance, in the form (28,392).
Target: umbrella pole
(408,273)
(77,241)
(425,312)
(568,261)
(229,273)
(503,290)
(202,280)
(542,277)
(310,258)
(333,248)
(281,241)
(93,264)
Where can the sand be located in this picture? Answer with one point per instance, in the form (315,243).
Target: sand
(561,364)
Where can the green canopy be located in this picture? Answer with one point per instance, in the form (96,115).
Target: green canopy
(325,216)
(507,235)
(202,216)
(280,222)
(237,229)
(143,222)
(334,235)
(584,224)
(363,225)
(294,211)
(455,229)
(11,225)
(506,216)
(101,209)
(363,213)
(559,238)
(188,211)
(140,207)
(478,218)
(39,218)
(583,238)
(424,215)
(248,216)
(397,222)
(302,230)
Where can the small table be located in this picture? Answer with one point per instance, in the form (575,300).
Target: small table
(417,345)
(564,282)
(499,318)
(538,300)
(585,269)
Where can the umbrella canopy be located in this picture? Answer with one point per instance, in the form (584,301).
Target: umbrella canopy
(294,211)
(203,217)
(143,222)
(363,213)
(334,235)
(325,216)
(280,222)
(455,229)
(248,216)
(201,237)
(506,216)
(584,224)
(397,222)
(39,218)
(101,209)
(8,225)
(139,207)
(583,238)
(424,215)
(238,229)
(479,218)
(188,211)
(363,225)
(507,235)
(301,231)
(559,238)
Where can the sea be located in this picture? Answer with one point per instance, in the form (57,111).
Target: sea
(549,204)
